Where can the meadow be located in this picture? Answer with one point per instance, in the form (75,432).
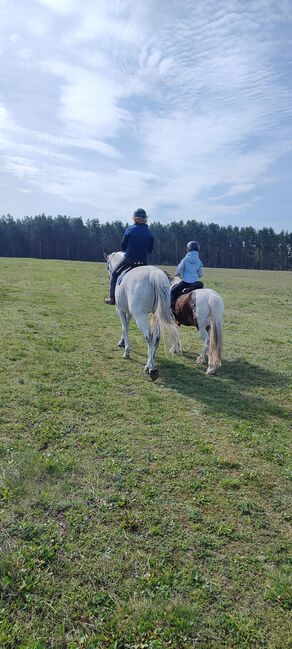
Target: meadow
(141,515)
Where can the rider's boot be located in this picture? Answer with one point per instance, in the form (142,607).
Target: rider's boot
(110,300)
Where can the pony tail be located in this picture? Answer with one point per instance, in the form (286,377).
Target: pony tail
(139,219)
(216,333)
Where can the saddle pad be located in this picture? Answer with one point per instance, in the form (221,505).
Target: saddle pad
(122,275)
(126,270)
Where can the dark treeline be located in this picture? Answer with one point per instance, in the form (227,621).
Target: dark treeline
(63,237)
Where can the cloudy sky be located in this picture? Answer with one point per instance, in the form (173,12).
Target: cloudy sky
(182,107)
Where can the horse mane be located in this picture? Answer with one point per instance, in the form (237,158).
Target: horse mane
(168,275)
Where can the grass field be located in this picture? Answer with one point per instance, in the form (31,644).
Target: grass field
(136,514)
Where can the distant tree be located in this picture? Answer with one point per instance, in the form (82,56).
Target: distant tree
(70,238)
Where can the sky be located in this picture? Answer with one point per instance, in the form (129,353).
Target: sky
(180,107)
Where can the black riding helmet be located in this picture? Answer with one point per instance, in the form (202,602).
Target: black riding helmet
(193,245)
(140,214)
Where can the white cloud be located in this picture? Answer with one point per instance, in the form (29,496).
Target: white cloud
(21,167)
(235,190)
(14,38)
(14,137)
(91,101)
(5,121)
(116,103)
(60,6)
(25,53)
(99,23)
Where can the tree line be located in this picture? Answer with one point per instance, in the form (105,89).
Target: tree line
(63,237)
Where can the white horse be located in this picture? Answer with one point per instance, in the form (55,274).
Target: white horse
(203,308)
(144,290)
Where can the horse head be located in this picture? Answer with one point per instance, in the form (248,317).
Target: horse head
(173,279)
(112,260)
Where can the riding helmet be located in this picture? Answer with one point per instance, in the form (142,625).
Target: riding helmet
(193,245)
(140,213)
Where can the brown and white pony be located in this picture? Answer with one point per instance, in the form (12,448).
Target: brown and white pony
(203,308)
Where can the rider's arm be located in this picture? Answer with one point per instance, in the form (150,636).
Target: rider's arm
(150,243)
(124,241)
(201,270)
(180,269)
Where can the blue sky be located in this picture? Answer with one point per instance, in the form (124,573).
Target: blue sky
(183,108)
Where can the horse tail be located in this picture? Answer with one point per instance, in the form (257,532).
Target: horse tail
(163,319)
(216,306)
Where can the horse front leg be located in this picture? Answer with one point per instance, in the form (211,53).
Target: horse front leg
(124,342)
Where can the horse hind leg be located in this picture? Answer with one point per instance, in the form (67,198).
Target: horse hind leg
(203,357)
(152,344)
(154,372)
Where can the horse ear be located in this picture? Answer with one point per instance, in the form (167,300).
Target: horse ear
(105,256)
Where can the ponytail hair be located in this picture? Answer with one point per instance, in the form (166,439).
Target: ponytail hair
(140,216)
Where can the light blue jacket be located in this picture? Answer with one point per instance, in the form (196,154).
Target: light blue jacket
(190,269)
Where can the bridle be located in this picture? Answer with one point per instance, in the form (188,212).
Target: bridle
(109,265)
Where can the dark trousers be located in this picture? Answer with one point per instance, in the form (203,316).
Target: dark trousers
(114,276)
(178,289)
(125,263)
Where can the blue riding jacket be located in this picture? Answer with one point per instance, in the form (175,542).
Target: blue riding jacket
(190,269)
(137,242)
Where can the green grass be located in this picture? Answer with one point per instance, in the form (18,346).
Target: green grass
(136,514)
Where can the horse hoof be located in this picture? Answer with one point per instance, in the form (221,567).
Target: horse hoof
(153,374)
(210,371)
(200,360)
(126,355)
(121,343)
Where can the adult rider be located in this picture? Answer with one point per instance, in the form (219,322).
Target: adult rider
(136,243)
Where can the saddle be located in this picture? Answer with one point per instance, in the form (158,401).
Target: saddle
(192,287)
(126,270)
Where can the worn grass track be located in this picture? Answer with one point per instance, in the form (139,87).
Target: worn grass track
(138,514)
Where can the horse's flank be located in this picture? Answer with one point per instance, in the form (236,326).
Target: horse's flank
(185,310)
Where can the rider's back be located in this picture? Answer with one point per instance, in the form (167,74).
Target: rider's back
(190,268)
(137,243)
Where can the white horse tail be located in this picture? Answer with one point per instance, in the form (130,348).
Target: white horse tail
(162,316)
(216,306)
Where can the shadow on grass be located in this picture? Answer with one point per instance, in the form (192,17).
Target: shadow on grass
(247,374)
(226,392)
